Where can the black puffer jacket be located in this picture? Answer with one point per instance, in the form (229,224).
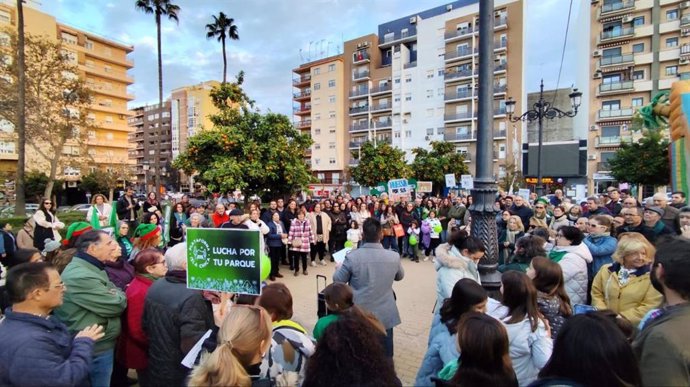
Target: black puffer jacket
(174,319)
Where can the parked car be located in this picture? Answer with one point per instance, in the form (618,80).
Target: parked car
(8,211)
(80,207)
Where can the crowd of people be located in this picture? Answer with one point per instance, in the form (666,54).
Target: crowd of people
(591,294)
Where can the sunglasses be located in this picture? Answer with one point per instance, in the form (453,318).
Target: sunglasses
(47,203)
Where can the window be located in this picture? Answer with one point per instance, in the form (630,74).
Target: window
(5,17)
(430,112)
(638,47)
(396,135)
(317,86)
(611,105)
(611,52)
(638,75)
(671,71)
(331,114)
(317,146)
(429,131)
(638,21)
(408,79)
(396,80)
(317,116)
(396,98)
(672,14)
(331,130)
(408,97)
(610,131)
(440,92)
(441,72)
(331,145)
(440,131)
(672,42)
(317,132)
(331,83)
(637,101)
(408,133)
(317,161)
(88,44)
(331,161)
(331,67)
(69,38)
(331,99)
(317,71)
(430,93)
(430,74)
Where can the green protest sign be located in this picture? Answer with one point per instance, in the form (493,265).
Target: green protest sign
(225,260)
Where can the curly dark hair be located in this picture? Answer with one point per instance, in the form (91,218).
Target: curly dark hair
(350,354)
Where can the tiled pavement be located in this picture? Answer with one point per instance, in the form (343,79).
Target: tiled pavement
(416,294)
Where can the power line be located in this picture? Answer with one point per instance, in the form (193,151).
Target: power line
(565,42)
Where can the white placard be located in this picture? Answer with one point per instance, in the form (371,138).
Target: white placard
(467,181)
(450,180)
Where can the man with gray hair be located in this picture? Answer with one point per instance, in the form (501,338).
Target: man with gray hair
(633,223)
(174,319)
(670,213)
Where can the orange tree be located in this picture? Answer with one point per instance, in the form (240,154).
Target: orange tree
(433,165)
(379,163)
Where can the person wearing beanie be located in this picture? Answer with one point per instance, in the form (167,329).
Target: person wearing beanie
(146,235)
(73,232)
(652,218)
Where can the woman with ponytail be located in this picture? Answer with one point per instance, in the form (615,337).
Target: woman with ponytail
(243,339)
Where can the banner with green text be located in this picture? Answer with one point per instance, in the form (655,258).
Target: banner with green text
(225,260)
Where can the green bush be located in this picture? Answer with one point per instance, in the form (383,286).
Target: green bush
(65,217)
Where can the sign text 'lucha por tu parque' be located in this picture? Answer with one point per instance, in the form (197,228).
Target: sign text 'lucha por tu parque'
(225,260)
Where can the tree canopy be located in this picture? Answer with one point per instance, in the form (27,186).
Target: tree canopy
(246,149)
(432,165)
(379,163)
(645,162)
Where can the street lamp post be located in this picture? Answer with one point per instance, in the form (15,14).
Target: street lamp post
(540,110)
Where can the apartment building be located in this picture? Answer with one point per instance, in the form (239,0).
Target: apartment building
(190,108)
(103,64)
(637,49)
(319,108)
(150,125)
(415,81)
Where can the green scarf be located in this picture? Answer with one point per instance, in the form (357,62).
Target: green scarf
(556,256)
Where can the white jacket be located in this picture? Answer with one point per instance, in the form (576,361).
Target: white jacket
(451,267)
(574,265)
(529,350)
(107,209)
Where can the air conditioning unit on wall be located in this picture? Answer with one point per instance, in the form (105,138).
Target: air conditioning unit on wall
(591,157)
(596,53)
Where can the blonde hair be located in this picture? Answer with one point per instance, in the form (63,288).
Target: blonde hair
(630,243)
(518,220)
(239,338)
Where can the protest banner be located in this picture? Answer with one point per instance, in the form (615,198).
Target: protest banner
(467,181)
(424,186)
(399,190)
(450,180)
(225,260)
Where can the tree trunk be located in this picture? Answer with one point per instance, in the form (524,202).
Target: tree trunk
(156,157)
(225,61)
(111,193)
(20,202)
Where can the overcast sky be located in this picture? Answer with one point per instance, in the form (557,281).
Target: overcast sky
(272,33)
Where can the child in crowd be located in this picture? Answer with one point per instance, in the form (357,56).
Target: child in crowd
(413,233)
(354,234)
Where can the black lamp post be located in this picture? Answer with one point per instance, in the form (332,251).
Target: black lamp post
(540,110)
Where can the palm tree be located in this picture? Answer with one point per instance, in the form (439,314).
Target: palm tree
(223,28)
(158,8)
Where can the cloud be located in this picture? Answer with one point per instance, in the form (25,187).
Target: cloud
(272,33)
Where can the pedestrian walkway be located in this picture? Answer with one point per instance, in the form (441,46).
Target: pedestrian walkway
(416,295)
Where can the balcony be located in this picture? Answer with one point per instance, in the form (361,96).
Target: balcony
(609,9)
(302,95)
(358,143)
(384,140)
(620,33)
(381,107)
(358,126)
(464,116)
(499,133)
(615,114)
(466,157)
(459,34)
(399,37)
(463,52)
(609,141)
(360,92)
(359,110)
(383,124)
(385,88)
(456,75)
(616,87)
(460,95)
(303,124)
(603,166)
(500,89)
(500,111)
(459,136)
(410,65)
(500,44)
(500,22)
(301,80)
(360,75)
(299,110)
(685,21)
(354,162)
(360,57)
(500,67)
(617,60)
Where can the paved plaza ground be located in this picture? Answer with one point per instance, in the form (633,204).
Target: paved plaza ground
(416,294)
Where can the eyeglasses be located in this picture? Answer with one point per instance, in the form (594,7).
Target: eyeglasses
(539,207)
(60,285)
(593,224)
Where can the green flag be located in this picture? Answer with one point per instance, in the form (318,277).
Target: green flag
(94,221)
(112,222)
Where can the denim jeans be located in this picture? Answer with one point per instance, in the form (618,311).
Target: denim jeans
(101,369)
(388,343)
(390,242)
(444,236)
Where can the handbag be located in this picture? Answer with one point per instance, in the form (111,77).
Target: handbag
(399,230)
(297,242)
(388,231)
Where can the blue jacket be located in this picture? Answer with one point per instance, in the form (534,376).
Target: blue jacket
(601,247)
(442,350)
(39,351)
(273,239)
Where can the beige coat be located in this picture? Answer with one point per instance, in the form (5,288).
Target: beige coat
(325,222)
(631,301)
